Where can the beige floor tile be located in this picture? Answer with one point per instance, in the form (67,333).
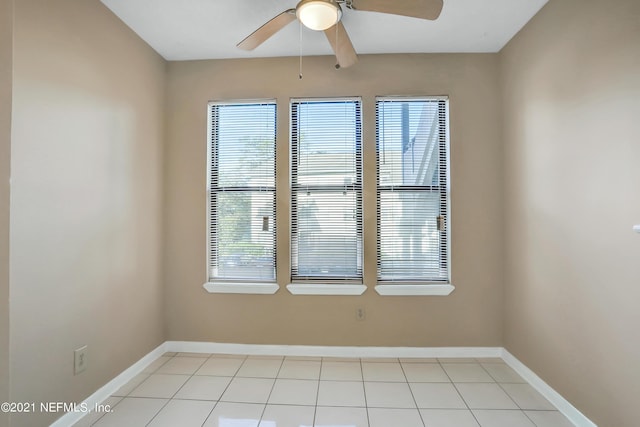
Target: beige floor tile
(287,416)
(437,396)
(388,395)
(183,413)
(456,360)
(502,373)
(548,419)
(380,359)
(106,406)
(502,418)
(467,373)
(226,355)
(131,385)
(304,358)
(223,390)
(200,387)
(341,371)
(235,414)
(260,368)
(386,372)
(425,373)
(341,359)
(248,390)
(385,417)
(265,357)
(341,393)
(332,416)
(156,364)
(181,365)
(185,354)
(294,392)
(300,369)
(132,412)
(526,397)
(160,386)
(485,396)
(418,360)
(226,366)
(448,418)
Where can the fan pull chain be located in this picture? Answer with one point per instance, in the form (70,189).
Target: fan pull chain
(300,53)
(337,48)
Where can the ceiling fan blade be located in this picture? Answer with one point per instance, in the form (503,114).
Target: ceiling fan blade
(341,45)
(271,27)
(424,9)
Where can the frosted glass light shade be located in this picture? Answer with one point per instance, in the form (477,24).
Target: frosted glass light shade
(318,15)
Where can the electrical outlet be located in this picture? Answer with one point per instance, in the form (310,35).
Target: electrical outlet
(79,360)
(360,313)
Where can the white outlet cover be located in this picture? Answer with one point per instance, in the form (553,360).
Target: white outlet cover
(636,228)
(79,360)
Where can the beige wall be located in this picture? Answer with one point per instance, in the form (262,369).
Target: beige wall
(551,209)
(571,124)
(85,201)
(471,316)
(6,45)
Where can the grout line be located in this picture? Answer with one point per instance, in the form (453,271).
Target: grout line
(488,373)
(412,395)
(179,388)
(148,374)
(459,394)
(225,389)
(271,391)
(529,418)
(315,408)
(366,404)
(512,399)
(121,398)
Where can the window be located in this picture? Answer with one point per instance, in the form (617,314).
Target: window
(408,236)
(412,192)
(241,194)
(326,192)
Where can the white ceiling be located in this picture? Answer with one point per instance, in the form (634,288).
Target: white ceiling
(208,29)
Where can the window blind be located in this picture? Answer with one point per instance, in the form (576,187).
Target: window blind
(326,190)
(241,211)
(412,192)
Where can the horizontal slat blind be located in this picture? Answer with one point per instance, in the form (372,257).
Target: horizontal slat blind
(326,190)
(412,144)
(242,139)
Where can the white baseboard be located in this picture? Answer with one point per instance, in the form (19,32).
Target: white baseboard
(568,410)
(111,387)
(330,351)
(562,404)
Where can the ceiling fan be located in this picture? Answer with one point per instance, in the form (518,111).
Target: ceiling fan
(325,15)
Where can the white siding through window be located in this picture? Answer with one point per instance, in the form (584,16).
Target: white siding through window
(326,190)
(413,190)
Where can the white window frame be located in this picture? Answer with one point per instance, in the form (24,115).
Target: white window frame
(416,287)
(223,285)
(328,287)
(321,286)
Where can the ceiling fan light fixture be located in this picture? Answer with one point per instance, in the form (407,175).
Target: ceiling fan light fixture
(318,15)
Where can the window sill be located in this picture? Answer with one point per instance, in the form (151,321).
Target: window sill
(326,289)
(241,288)
(404,289)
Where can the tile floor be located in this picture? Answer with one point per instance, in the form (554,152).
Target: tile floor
(186,389)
